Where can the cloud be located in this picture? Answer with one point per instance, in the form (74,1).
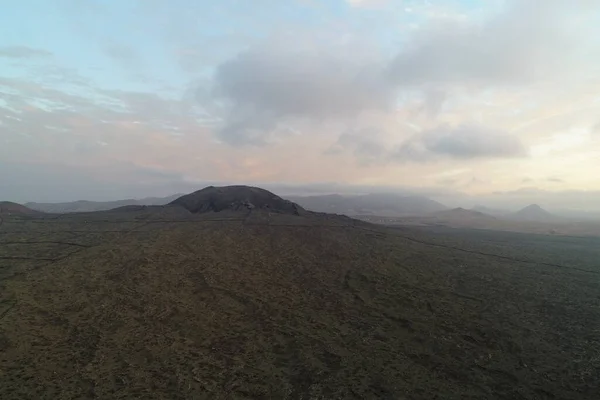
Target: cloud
(362,144)
(23,52)
(433,102)
(371,146)
(55,182)
(320,77)
(522,191)
(447,181)
(41,122)
(522,44)
(387,92)
(462,142)
(311,80)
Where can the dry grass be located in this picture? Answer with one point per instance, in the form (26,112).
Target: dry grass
(157,304)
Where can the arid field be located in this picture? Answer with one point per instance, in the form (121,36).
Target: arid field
(159,303)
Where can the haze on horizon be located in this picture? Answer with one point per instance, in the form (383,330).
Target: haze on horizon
(468,101)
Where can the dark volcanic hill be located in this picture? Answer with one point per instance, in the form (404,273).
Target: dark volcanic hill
(159,302)
(235,198)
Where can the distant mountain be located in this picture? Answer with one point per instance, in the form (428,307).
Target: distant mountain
(456,217)
(380,204)
(90,206)
(463,214)
(495,212)
(10,208)
(533,213)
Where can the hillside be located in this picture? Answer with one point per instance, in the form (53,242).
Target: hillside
(494,212)
(533,212)
(10,208)
(462,214)
(238,302)
(372,204)
(91,206)
(235,198)
(380,204)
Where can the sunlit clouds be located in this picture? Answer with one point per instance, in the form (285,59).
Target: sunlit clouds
(472,98)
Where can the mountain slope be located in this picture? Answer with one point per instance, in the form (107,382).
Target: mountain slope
(91,206)
(381,204)
(494,212)
(163,303)
(461,214)
(533,212)
(10,208)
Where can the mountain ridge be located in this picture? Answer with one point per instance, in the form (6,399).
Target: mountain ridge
(533,212)
(11,208)
(380,204)
(235,198)
(91,206)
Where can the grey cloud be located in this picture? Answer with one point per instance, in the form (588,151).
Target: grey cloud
(433,102)
(362,144)
(476,181)
(554,179)
(70,128)
(447,181)
(275,82)
(316,78)
(240,131)
(22,52)
(458,182)
(69,124)
(24,182)
(461,142)
(519,45)
(292,83)
(522,191)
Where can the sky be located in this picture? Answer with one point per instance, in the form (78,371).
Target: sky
(497,100)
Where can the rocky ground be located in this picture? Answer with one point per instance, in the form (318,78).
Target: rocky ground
(155,303)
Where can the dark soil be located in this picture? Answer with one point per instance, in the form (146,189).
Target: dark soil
(158,303)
